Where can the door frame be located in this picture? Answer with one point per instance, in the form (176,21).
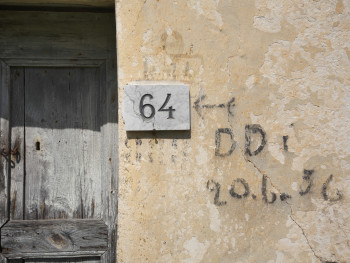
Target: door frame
(98,235)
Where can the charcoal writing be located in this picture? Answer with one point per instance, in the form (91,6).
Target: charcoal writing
(285,145)
(254,129)
(307,177)
(284,196)
(198,106)
(138,141)
(218,143)
(215,186)
(324,191)
(264,194)
(232,191)
(239,189)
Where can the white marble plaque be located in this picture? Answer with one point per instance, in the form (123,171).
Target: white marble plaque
(151,106)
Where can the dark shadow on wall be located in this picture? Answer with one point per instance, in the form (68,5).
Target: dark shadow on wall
(158,134)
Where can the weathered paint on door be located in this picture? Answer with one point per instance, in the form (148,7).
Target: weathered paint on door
(58,136)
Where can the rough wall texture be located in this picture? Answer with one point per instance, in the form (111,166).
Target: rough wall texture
(263,176)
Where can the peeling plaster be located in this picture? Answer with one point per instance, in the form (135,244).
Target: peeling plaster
(195,249)
(286,64)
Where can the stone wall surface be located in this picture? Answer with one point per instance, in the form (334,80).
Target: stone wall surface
(264,174)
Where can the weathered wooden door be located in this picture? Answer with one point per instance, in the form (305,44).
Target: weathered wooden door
(58,141)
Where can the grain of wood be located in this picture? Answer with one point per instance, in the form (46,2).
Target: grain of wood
(55,169)
(92,137)
(4,137)
(45,238)
(68,39)
(17,142)
(78,179)
(109,155)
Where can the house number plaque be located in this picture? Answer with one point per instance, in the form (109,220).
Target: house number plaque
(149,106)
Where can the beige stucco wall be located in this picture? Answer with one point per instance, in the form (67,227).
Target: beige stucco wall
(282,65)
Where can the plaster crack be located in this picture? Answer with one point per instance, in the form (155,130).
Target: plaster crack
(137,19)
(259,170)
(264,174)
(322,259)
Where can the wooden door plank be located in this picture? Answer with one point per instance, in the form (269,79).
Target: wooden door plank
(54,143)
(4,140)
(62,35)
(54,238)
(91,135)
(109,157)
(17,143)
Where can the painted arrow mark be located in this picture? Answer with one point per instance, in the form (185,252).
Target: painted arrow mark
(198,106)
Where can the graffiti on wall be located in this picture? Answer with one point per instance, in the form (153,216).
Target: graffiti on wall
(251,130)
(255,141)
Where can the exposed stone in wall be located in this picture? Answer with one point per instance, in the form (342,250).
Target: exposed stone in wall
(263,176)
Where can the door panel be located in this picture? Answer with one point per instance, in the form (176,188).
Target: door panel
(59,127)
(63,143)
(17,142)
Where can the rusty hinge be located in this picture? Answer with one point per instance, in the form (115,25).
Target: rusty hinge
(6,152)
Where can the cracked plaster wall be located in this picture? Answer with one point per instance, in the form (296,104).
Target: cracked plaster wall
(282,65)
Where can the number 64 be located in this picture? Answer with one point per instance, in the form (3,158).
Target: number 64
(142,107)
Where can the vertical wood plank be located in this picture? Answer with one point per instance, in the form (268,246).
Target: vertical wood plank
(91,110)
(4,140)
(110,156)
(54,158)
(17,143)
